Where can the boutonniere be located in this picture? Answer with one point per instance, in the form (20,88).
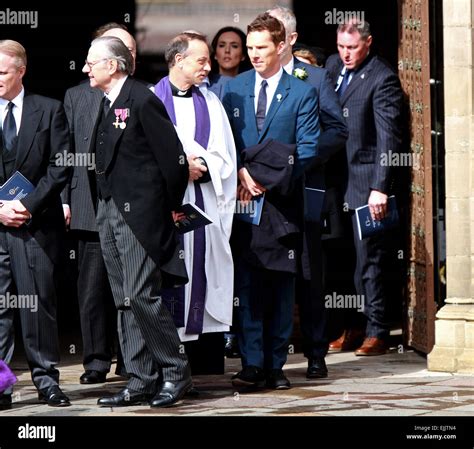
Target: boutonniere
(300,73)
(122,115)
(279,97)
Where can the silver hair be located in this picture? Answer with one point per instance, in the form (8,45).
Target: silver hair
(286,16)
(355,26)
(114,48)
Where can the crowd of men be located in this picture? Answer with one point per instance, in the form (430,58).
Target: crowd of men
(270,135)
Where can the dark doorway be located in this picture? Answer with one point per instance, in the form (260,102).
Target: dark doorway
(57,46)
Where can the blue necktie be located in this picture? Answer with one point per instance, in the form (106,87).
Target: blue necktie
(261,106)
(344,83)
(9,129)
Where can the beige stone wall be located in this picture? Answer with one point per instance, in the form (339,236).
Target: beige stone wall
(454,328)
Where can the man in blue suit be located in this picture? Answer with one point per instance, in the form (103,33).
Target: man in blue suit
(273,110)
(309,286)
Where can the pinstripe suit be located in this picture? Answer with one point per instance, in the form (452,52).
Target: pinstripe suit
(146,173)
(82,105)
(28,254)
(372,105)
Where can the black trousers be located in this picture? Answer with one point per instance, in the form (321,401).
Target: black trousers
(96,304)
(310,298)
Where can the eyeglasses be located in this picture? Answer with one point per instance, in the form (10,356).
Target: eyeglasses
(92,64)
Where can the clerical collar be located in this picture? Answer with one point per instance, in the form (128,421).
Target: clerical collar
(180,93)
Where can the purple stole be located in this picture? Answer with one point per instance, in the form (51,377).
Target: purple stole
(7,378)
(199,281)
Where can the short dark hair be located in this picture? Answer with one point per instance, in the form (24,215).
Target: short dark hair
(355,26)
(266,22)
(106,27)
(180,44)
(245,64)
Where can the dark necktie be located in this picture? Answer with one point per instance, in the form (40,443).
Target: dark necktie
(261,106)
(344,83)
(106,105)
(9,129)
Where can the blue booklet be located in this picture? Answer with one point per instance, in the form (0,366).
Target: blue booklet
(16,187)
(194,218)
(314,200)
(368,227)
(250,212)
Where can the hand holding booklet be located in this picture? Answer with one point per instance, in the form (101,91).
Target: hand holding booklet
(250,212)
(193,218)
(368,227)
(15,188)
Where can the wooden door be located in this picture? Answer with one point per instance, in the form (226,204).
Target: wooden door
(414,72)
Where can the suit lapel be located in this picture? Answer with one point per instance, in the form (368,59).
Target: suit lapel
(30,119)
(282,91)
(249,104)
(358,80)
(123,101)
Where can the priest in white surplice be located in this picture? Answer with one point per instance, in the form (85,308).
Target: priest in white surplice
(204,131)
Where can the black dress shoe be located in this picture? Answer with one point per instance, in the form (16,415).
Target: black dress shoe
(124,398)
(171,392)
(5,401)
(54,397)
(250,376)
(92,377)
(277,380)
(316,368)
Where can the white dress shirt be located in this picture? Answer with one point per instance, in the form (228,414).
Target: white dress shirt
(17,110)
(271,88)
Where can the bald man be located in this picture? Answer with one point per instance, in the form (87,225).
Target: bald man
(96,307)
(127,39)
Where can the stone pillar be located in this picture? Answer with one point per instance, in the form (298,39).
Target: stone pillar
(454,327)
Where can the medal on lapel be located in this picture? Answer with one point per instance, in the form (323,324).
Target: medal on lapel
(122,115)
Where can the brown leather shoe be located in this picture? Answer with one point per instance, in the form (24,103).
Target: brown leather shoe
(373,346)
(350,339)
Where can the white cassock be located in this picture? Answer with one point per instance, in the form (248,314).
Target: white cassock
(219,203)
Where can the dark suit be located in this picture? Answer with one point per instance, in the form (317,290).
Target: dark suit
(333,137)
(266,294)
(142,174)
(372,104)
(95,301)
(28,254)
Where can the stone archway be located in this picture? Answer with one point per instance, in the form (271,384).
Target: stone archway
(454,328)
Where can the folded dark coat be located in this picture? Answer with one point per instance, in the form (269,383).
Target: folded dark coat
(276,243)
